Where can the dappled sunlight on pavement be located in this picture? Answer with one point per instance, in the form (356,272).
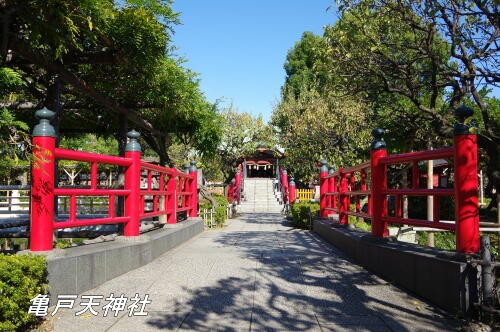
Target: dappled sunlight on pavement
(260,274)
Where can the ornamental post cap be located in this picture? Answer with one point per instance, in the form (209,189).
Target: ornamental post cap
(292,182)
(461,114)
(331,170)
(323,167)
(378,142)
(193,166)
(284,171)
(186,168)
(44,127)
(133,145)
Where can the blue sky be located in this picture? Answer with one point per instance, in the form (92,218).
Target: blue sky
(239,47)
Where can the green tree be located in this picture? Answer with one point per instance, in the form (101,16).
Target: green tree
(241,134)
(105,67)
(87,143)
(14,143)
(314,122)
(370,54)
(432,54)
(300,65)
(320,126)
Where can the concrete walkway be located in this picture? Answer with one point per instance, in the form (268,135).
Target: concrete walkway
(257,274)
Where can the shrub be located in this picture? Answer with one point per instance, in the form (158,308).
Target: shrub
(205,205)
(221,200)
(23,277)
(220,211)
(301,212)
(442,240)
(362,225)
(220,215)
(62,244)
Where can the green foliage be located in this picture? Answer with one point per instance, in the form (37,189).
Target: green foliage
(23,277)
(139,36)
(119,53)
(302,212)
(90,142)
(241,134)
(220,213)
(10,80)
(221,200)
(220,210)
(87,143)
(161,8)
(62,244)
(15,143)
(315,125)
(360,224)
(394,78)
(315,120)
(416,62)
(59,27)
(300,65)
(205,205)
(442,240)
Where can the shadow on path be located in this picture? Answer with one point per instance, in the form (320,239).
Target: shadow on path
(296,282)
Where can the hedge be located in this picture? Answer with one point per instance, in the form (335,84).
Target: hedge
(23,277)
(301,213)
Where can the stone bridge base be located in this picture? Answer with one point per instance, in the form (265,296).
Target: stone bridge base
(440,276)
(78,269)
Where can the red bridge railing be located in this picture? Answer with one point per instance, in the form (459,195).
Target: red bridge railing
(170,192)
(370,180)
(234,189)
(287,187)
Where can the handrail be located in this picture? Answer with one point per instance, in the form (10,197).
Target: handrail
(169,190)
(66,154)
(338,188)
(418,156)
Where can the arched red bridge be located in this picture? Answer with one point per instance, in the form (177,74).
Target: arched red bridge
(258,273)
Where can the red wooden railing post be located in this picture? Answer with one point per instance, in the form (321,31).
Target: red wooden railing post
(193,171)
(172,202)
(363,186)
(42,182)
(332,187)
(379,184)
(466,185)
(237,184)
(343,198)
(230,192)
(323,189)
(187,187)
(291,190)
(243,171)
(279,178)
(284,186)
(330,201)
(133,184)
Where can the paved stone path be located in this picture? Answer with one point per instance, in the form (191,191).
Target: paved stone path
(257,274)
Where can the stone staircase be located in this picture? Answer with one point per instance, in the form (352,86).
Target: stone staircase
(259,197)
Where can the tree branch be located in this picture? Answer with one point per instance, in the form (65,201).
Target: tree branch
(22,49)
